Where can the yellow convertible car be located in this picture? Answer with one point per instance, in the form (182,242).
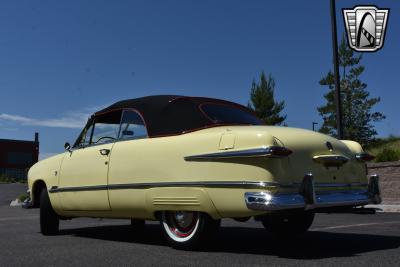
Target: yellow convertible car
(191,161)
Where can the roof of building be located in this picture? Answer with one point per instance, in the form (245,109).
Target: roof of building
(171,114)
(17,141)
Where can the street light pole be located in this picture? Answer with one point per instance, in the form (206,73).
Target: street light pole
(339,125)
(313,125)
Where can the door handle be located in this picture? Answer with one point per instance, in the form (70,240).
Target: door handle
(104,152)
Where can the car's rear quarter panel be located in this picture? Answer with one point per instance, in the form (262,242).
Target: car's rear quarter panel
(162,160)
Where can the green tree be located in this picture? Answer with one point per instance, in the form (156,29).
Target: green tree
(262,101)
(357,104)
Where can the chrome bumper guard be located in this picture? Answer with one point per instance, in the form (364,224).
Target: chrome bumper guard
(307,198)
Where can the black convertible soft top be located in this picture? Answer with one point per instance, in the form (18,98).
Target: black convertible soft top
(174,114)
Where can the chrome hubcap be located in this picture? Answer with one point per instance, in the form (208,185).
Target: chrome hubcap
(182,223)
(183,219)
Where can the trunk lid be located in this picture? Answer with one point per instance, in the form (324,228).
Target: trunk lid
(328,159)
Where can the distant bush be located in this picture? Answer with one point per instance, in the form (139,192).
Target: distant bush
(387,154)
(379,142)
(23,196)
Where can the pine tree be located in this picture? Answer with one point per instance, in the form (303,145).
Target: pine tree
(262,101)
(357,104)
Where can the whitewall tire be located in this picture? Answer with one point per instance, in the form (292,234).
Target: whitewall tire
(188,229)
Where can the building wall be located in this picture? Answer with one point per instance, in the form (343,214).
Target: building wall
(16,157)
(389,173)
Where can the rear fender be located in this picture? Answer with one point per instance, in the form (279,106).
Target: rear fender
(178,199)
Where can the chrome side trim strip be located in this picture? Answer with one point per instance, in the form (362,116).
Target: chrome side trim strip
(254,152)
(55,189)
(226,184)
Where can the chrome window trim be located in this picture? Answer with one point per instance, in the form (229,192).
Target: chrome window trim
(76,144)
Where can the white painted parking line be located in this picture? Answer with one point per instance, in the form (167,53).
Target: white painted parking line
(354,225)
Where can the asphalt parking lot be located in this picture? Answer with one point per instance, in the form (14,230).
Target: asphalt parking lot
(339,239)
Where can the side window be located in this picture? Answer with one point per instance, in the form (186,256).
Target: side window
(132,126)
(106,128)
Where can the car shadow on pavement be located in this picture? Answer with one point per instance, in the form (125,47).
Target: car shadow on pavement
(312,245)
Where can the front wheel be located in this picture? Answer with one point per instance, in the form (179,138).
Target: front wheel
(49,220)
(188,229)
(288,223)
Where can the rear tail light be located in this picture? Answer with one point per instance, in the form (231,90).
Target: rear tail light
(364,156)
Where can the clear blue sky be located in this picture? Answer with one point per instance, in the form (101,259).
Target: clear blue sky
(61,60)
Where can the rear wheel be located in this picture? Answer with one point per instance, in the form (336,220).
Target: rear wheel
(188,229)
(49,220)
(288,223)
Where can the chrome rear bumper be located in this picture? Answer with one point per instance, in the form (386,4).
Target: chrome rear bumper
(307,198)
